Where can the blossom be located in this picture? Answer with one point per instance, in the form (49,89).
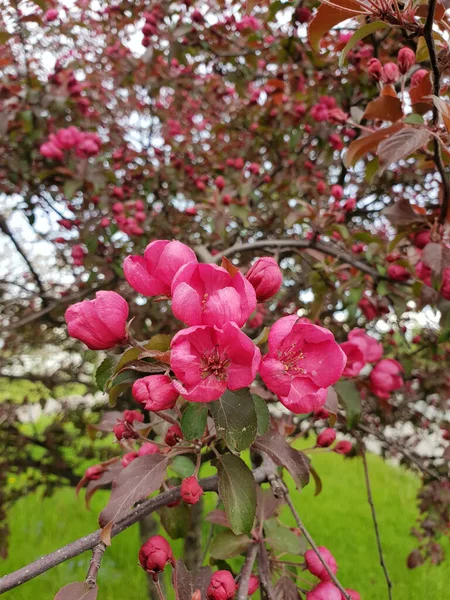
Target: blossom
(390,73)
(385,377)
(222,586)
(343,447)
(355,359)
(370,348)
(266,277)
(51,150)
(208,360)
(191,491)
(326,437)
(99,323)
(155,554)
(152,274)
(398,273)
(315,566)
(148,448)
(324,591)
(406,59)
(303,360)
(155,392)
(205,294)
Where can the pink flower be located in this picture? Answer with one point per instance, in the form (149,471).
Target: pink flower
(421,239)
(51,150)
(191,490)
(343,447)
(375,68)
(266,277)
(303,360)
(253,584)
(385,377)
(67,138)
(390,73)
(152,274)
(326,438)
(99,323)
(208,360)
(314,565)
(222,586)
(204,294)
(398,273)
(51,15)
(445,289)
(155,392)
(324,591)
(355,359)
(370,348)
(148,448)
(406,59)
(155,554)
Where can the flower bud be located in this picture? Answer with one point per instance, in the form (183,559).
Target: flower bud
(95,472)
(266,277)
(398,273)
(405,59)
(375,69)
(191,490)
(324,591)
(222,586)
(128,458)
(315,566)
(155,554)
(390,73)
(302,14)
(418,76)
(148,448)
(326,438)
(173,435)
(421,239)
(354,595)
(155,392)
(343,447)
(132,415)
(253,584)
(220,182)
(51,15)
(337,191)
(99,323)
(124,431)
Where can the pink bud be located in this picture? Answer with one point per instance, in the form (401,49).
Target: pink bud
(95,472)
(418,76)
(124,431)
(155,392)
(51,15)
(303,14)
(390,73)
(222,586)
(375,69)
(50,150)
(324,591)
(315,566)
(128,458)
(343,447)
(253,584)
(99,323)
(398,273)
(132,415)
(326,437)
(148,448)
(191,490)
(220,182)
(266,277)
(173,435)
(405,59)
(354,595)
(337,191)
(421,239)
(155,554)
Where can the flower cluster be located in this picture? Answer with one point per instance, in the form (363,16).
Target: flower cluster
(325,590)
(212,354)
(85,144)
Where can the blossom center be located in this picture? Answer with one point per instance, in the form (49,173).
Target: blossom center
(213,363)
(291,357)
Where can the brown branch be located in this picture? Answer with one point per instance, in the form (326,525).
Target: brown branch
(313,545)
(94,565)
(246,572)
(264,572)
(375,522)
(437,155)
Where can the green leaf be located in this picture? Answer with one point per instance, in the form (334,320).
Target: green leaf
(182,466)
(127,376)
(160,341)
(237,490)
(235,419)
(226,545)
(262,415)
(105,371)
(193,421)
(358,36)
(175,520)
(71,186)
(282,539)
(351,398)
(414,119)
(5,36)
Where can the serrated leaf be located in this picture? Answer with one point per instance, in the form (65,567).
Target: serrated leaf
(276,447)
(351,398)
(140,479)
(77,591)
(193,421)
(401,145)
(226,545)
(262,415)
(175,520)
(237,490)
(105,371)
(235,418)
(368,144)
(359,35)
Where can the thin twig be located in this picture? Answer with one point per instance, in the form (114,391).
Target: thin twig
(264,572)
(375,522)
(429,39)
(94,565)
(246,572)
(313,545)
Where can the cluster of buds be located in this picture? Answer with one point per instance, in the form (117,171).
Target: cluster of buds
(391,72)
(128,215)
(85,144)
(152,20)
(325,590)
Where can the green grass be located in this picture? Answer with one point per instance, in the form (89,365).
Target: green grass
(338,518)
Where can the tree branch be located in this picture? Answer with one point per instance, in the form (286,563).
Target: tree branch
(246,572)
(375,522)
(264,572)
(437,156)
(94,565)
